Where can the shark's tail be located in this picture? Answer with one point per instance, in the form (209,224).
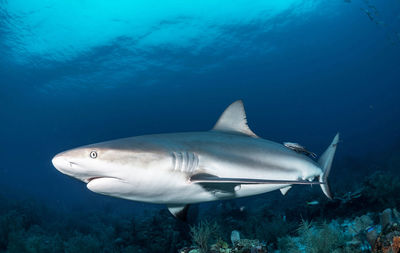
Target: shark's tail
(325,161)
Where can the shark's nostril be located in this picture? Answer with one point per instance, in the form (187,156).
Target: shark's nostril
(62,164)
(92,178)
(71,164)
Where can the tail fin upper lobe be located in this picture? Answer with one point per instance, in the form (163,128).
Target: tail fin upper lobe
(325,161)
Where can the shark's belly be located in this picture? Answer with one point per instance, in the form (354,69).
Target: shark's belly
(197,193)
(175,188)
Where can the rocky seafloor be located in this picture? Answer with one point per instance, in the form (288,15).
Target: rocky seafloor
(360,234)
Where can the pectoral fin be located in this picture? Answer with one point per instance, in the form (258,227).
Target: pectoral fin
(208,178)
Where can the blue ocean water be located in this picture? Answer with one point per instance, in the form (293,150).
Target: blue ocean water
(83,71)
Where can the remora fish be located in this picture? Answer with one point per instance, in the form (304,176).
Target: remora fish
(179,169)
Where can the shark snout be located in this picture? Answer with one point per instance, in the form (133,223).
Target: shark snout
(60,163)
(83,169)
(64,165)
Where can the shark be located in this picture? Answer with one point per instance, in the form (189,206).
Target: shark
(179,169)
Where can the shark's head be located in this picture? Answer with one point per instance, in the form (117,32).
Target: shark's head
(112,168)
(85,163)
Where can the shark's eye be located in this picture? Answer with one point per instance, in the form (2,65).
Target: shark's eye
(93,154)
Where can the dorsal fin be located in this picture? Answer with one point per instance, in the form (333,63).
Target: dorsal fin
(233,120)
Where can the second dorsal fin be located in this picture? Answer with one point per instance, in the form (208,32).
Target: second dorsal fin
(299,149)
(233,120)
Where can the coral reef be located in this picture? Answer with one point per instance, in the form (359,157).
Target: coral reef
(386,237)
(203,233)
(23,230)
(317,238)
(240,246)
(357,235)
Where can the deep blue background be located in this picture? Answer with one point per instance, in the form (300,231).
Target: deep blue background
(302,78)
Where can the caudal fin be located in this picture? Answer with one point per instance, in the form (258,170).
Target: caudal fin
(325,161)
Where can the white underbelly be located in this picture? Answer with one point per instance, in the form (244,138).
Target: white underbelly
(197,193)
(174,188)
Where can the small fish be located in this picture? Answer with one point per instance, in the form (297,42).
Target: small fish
(369,14)
(313,203)
(372,7)
(370,229)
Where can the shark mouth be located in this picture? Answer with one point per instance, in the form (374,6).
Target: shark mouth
(90,179)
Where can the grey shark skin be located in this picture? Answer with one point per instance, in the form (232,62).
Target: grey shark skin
(178,169)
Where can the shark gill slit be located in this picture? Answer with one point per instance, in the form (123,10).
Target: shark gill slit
(194,162)
(179,160)
(190,161)
(174,161)
(184,161)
